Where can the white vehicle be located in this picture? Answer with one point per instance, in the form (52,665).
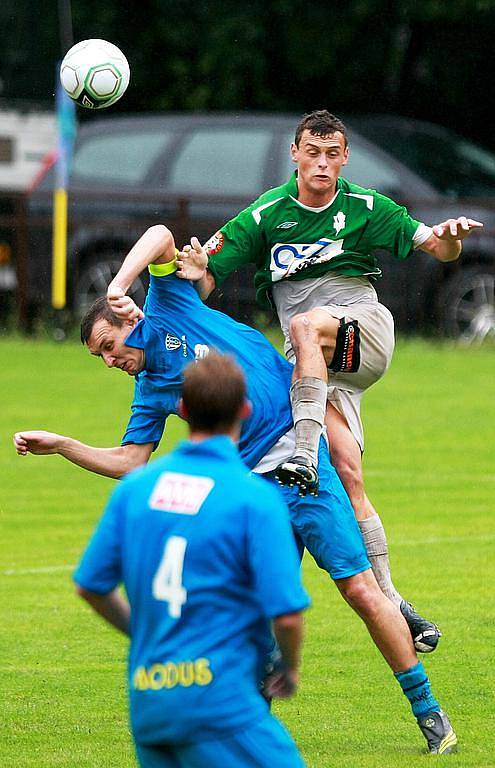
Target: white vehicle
(26,138)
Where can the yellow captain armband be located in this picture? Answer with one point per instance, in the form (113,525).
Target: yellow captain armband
(162,270)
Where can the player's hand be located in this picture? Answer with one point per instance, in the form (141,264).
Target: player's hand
(192,261)
(456,229)
(36,441)
(122,305)
(281,684)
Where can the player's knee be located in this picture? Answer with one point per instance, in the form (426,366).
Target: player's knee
(362,594)
(302,330)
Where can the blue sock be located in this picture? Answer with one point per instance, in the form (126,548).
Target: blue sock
(416,687)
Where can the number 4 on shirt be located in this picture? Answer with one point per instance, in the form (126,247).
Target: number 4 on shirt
(167,581)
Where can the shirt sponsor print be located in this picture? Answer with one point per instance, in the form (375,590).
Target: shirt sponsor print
(290,258)
(179,493)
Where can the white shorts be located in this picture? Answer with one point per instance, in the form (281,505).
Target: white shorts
(376,324)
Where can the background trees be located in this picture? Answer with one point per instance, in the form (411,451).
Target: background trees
(430,60)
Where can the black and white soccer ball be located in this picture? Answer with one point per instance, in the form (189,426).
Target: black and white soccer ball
(94,73)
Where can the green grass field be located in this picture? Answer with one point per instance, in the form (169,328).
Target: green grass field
(430,472)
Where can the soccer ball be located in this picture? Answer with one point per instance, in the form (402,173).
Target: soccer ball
(94,73)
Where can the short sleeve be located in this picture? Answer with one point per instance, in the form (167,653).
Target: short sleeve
(168,293)
(391,227)
(273,555)
(100,569)
(237,243)
(145,426)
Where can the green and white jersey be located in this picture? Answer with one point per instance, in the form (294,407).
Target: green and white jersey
(288,240)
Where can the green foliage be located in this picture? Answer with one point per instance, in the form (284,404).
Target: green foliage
(429,469)
(285,55)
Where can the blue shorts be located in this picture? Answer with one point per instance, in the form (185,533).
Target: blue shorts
(263,745)
(326,524)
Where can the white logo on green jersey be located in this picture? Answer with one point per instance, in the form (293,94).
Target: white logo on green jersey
(289,258)
(339,222)
(286,225)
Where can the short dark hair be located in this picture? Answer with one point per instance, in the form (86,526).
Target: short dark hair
(320,123)
(213,392)
(99,310)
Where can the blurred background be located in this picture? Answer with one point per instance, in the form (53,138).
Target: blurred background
(205,126)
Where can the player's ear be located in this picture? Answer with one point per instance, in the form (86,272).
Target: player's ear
(293,151)
(246,410)
(181,410)
(346,155)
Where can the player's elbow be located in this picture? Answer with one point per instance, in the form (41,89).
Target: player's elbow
(164,238)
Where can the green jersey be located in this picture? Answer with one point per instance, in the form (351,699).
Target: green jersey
(288,240)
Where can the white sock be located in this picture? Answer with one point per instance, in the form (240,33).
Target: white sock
(308,396)
(377,549)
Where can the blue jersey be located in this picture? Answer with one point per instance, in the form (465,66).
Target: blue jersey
(207,557)
(179,328)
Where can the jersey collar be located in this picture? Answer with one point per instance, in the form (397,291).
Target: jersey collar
(217,445)
(136,337)
(144,337)
(293,193)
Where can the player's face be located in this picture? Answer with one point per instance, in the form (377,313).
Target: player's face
(319,161)
(108,342)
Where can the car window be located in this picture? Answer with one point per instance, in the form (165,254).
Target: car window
(125,158)
(363,168)
(228,161)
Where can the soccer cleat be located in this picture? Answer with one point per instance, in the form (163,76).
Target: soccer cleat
(425,634)
(298,471)
(438,732)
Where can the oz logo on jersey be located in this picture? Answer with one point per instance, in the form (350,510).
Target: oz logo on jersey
(289,258)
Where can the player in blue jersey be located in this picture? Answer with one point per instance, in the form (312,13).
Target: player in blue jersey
(199,543)
(177,327)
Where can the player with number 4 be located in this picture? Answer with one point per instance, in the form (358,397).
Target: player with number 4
(207,558)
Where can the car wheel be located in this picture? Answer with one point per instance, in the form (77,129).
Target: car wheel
(466,304)
(95,277)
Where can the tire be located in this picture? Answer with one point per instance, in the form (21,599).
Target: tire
(94,279)
(466,304)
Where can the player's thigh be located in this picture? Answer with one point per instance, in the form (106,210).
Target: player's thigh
(326,524)
(377,341)
(263,745)
(157,757)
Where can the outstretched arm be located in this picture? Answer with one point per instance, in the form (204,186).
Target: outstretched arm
(110,462)
(445,244)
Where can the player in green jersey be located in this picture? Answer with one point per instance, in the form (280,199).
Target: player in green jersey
(312,241)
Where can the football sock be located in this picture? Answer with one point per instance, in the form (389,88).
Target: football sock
(417,689)
(309,401)
(375,541)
